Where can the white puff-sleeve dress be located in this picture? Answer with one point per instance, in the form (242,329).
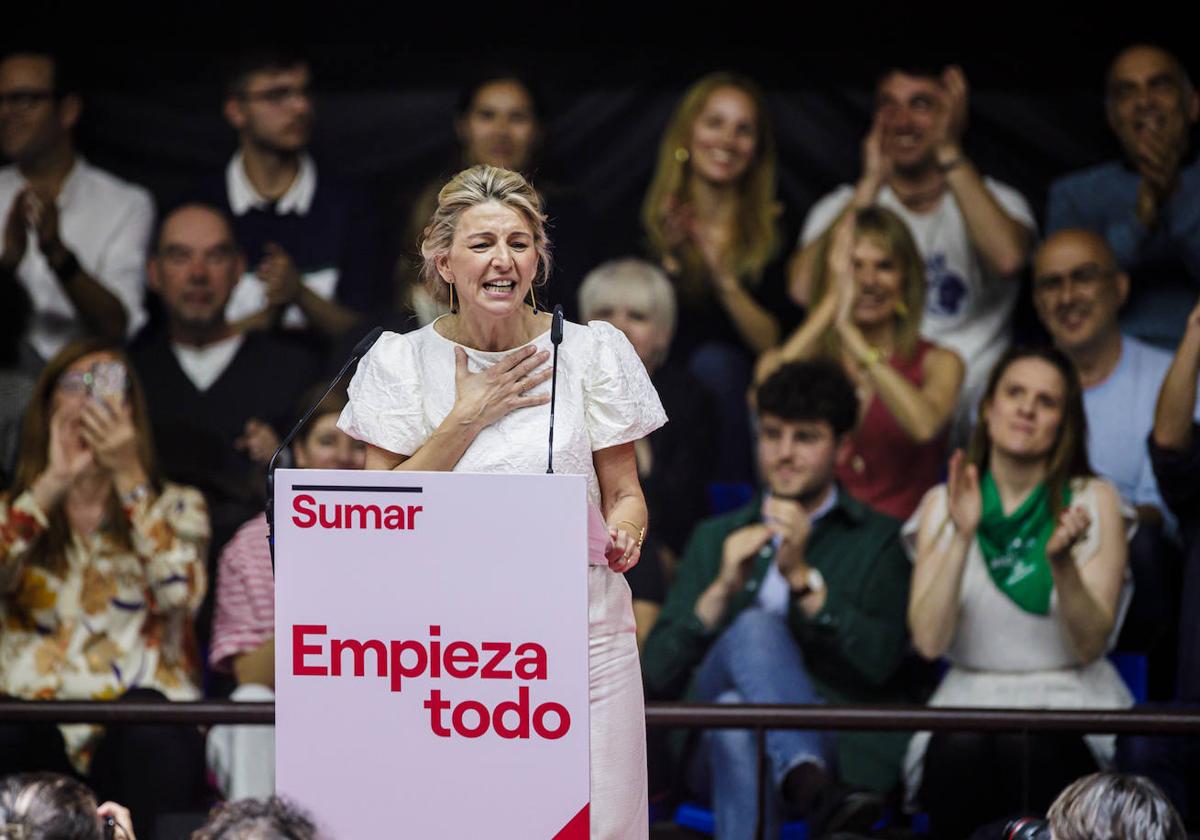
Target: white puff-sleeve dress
(403,390)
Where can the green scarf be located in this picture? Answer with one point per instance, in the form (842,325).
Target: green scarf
(1014,546)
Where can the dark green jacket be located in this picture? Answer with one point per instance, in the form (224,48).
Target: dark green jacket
(852,647)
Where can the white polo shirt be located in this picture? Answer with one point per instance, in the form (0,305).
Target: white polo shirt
(106,223)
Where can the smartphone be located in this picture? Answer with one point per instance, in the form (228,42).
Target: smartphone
(109,380)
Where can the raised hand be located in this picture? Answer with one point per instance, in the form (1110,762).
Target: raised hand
(279,272)
(42,215)
(840,265)
(484,397)
(962,495)
(875,162)
(68,454)
(1073,524)
(121,820)
(738,553)
(110,434)
(951,121)
(1157,160)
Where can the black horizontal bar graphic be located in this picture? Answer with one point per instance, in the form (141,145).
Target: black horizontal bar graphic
(358,488)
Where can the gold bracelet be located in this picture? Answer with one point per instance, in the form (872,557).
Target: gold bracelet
(872,357)
(640,528)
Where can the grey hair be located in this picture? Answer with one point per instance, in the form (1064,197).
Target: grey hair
(470,188)
(1114,806)
(629,280)
(36,806)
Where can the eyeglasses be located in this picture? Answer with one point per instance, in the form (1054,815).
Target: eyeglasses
(1084,276)
(24,100)
(276,96)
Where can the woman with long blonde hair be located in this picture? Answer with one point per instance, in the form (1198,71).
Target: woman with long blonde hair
(711,220)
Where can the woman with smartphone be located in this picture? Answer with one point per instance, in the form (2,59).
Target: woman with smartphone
(101,571)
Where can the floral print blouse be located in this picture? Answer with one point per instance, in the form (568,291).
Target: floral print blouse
(115,619)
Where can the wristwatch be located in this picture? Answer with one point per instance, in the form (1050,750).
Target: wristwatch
(814,581)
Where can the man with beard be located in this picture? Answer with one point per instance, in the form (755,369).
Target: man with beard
(973,232)
(219,399)
(306,231)
(75,236)
(798,597)
(1147,207)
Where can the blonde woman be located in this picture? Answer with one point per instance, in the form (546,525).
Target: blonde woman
(870,293)
(711,220)
(469,392)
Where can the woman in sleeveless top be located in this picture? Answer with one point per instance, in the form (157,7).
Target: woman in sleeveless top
(870,294)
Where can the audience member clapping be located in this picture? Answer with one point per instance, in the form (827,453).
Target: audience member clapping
(101,570)
(973,232)
(712,221)
(49,806)
(1146,206)
(674,463)
(254,819)
(243,641)
(75,236)
(1020,581)
(870,296)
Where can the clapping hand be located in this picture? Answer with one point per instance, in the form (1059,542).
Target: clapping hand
(1157,160)
(788,521)
(875,162)
(840,265)
(963,497)
(1073,524)
(738,553)
(484,397)
(951,121)
(41,214)
(278,270)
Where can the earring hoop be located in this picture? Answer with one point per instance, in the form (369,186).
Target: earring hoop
(681,154)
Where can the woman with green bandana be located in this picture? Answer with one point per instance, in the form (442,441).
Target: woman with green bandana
(1020,581)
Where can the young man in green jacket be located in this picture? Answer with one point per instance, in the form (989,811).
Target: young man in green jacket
(799,597)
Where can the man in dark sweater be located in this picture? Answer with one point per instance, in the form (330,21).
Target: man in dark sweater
(798,597)
(219,399)
(310,237)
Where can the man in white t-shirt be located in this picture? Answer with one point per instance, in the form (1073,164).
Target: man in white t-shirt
(975,233)
(74,236)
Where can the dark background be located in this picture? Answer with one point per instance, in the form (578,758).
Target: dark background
(386,79)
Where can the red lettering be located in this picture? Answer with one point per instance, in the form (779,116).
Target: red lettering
(326,522)
(533,666)
(521,707)
(399,669)
(435,650)
(307,517)
(462,660)
(413,510)
(436,706)
(481,712)
(393,518)
(492,670)
(362,511)
(359,650)
(539,721)
(301,650)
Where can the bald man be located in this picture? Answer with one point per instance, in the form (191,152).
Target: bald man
(1078,291)
(1147,206)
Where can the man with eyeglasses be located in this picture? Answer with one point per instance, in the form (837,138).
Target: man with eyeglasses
(309,239)
(1147,206)
(74,235)
(1078,290)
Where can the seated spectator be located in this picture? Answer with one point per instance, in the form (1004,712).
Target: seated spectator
(48,806)
(1147,206)
(500,120)
(1078,289)
(636,297)
(243,640)
(711,218)
(101,572)
(74,236)
(307,232)
(220,400)
(973,232)
(798,597)
(1019,580)
(254,819)
(870,295)
(1108,806)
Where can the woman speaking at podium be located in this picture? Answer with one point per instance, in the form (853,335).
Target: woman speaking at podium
(470,391)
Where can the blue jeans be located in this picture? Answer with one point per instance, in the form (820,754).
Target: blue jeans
(756,660)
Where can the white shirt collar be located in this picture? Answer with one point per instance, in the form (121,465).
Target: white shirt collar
(243,197)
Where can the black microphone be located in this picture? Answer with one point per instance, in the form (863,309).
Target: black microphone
(556,331)
(357,353)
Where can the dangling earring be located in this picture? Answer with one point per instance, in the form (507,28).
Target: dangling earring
(453,308)
(533,300)
(901,309)
(681,154)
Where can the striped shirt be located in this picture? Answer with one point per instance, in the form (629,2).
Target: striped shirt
(245,611)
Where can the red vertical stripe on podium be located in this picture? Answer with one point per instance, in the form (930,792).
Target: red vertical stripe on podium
(577,828)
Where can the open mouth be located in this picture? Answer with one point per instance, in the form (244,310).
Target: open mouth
(500,286)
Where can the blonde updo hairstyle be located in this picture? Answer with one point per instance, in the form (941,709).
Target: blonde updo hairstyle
(470,188)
